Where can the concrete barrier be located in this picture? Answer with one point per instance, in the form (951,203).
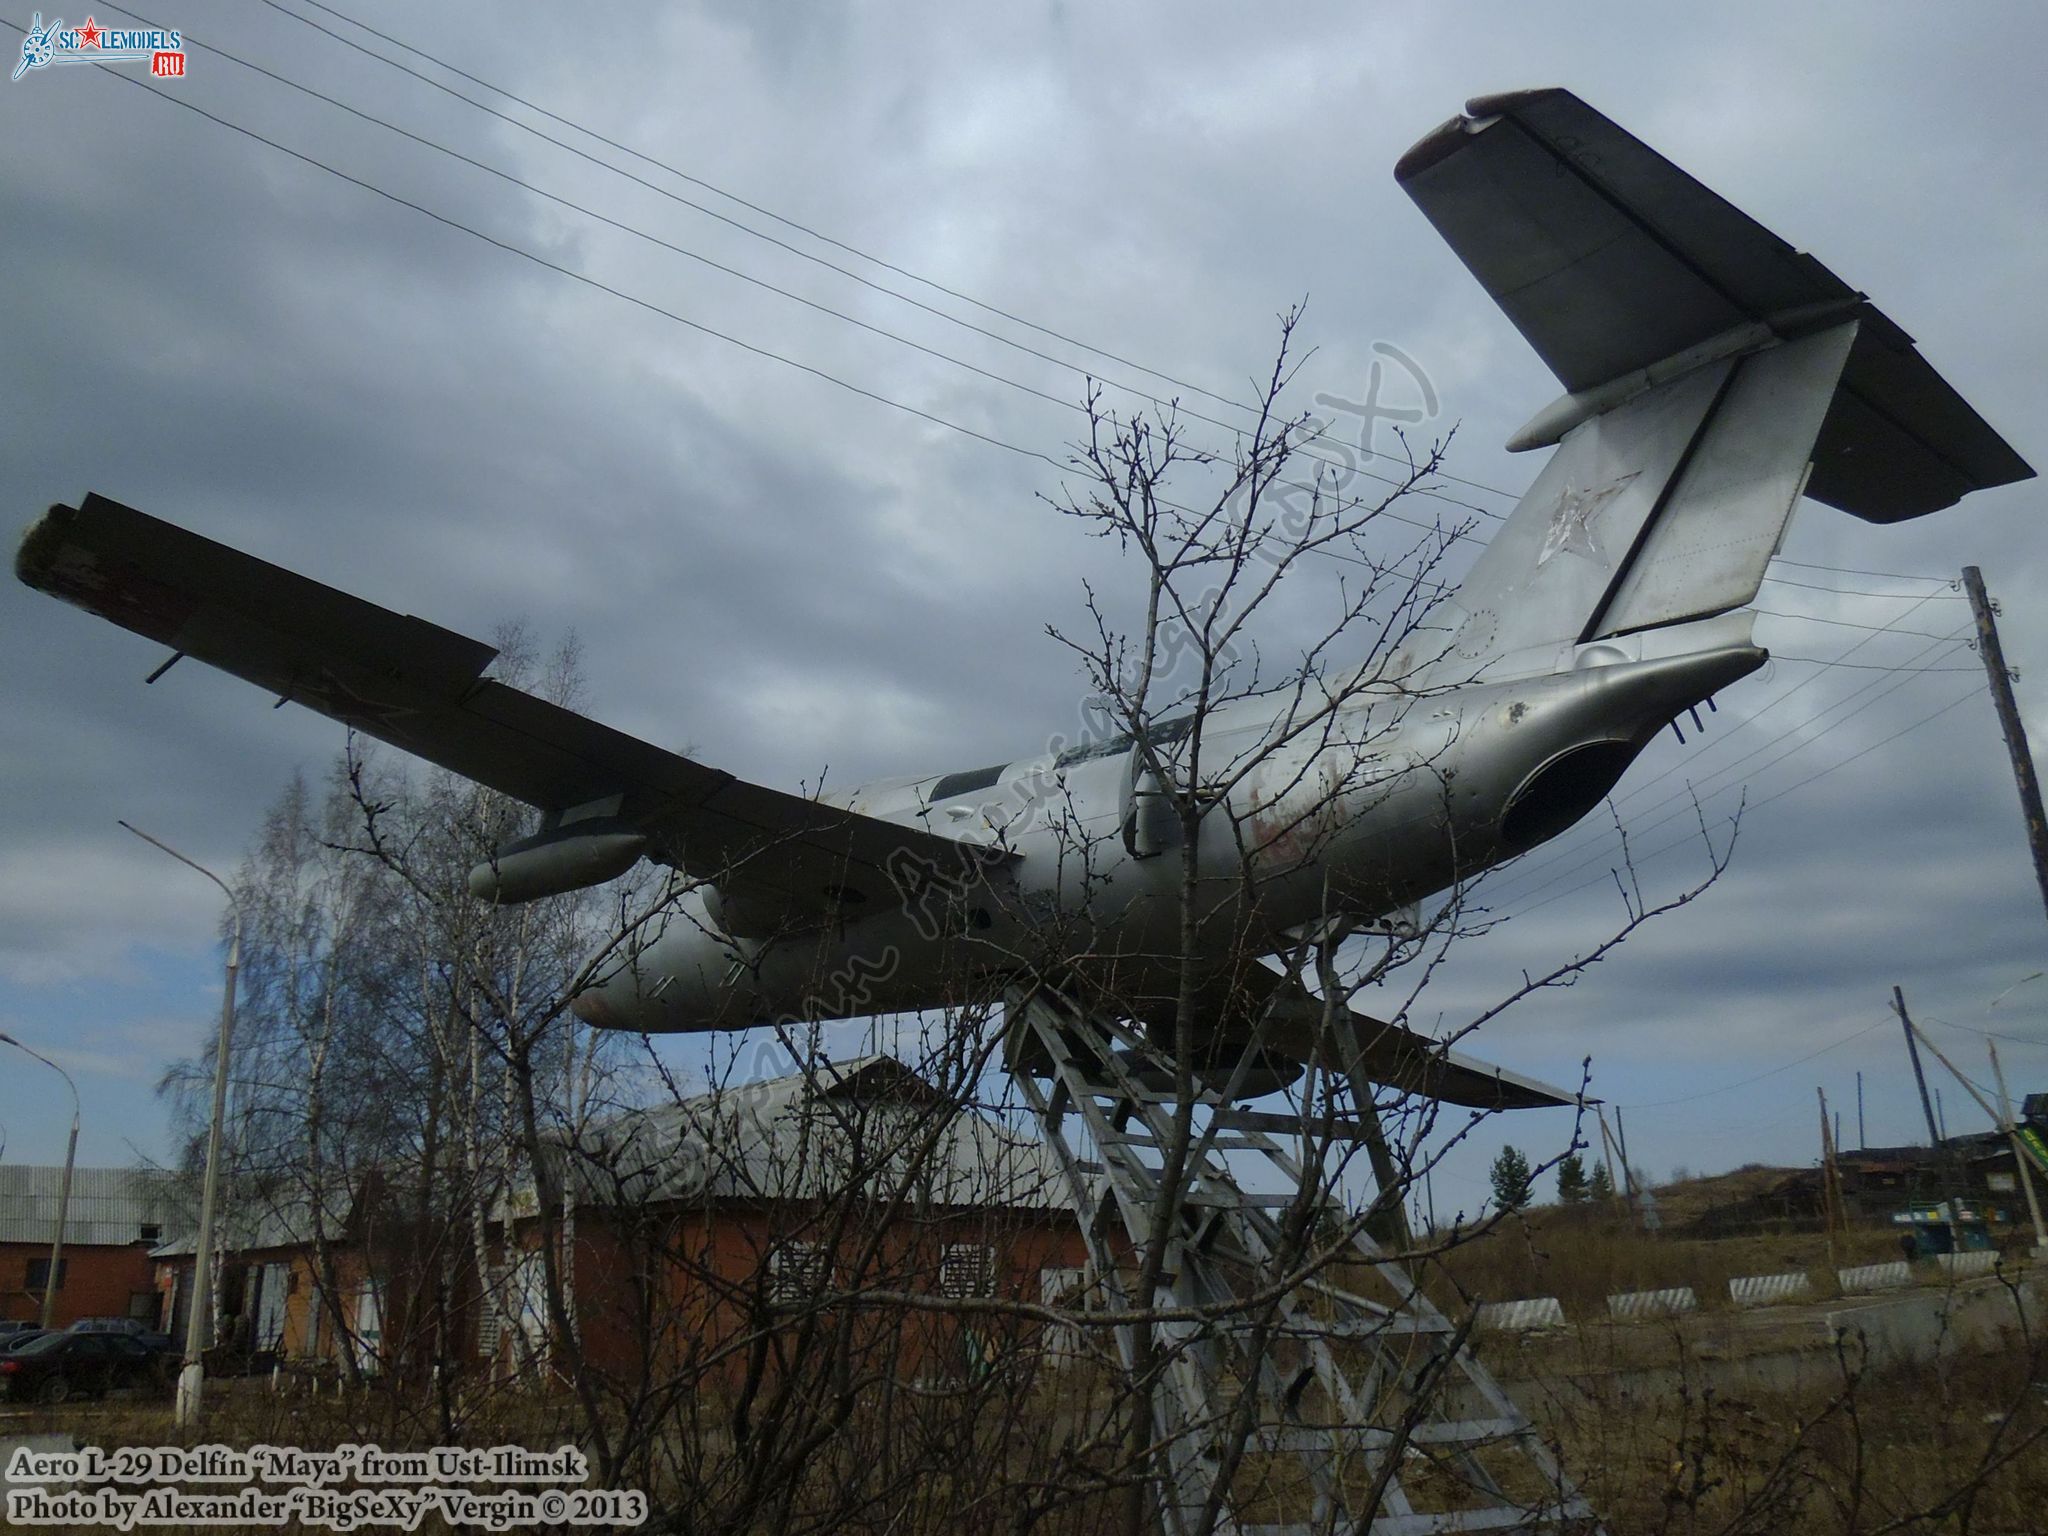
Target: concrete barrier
(1861,1279)
(1927,1325)
(1759,1290)
(1632,1305)
(1963,1266)
(1519,1316)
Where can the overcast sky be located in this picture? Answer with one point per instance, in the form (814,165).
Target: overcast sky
(785,576)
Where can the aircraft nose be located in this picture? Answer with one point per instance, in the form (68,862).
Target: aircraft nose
(598,1007)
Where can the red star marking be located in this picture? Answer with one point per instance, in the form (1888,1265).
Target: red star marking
(89,34)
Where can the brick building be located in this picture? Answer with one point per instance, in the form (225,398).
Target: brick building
(116,1215)
(685,1228)
(696,1225)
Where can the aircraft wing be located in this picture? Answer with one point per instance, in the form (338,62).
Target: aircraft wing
(1380,1052)
(421,688)
(1610,259)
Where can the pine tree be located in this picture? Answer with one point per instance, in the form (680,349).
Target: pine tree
(1511,1180)
(1601,1188)
(1571,1180)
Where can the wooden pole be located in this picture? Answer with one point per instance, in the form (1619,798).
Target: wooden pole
(1611,1156)
(1943,1173)
(1828,1212)
(2019,1151)
(2009,724)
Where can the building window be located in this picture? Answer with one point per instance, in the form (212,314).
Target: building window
(152,1232)
(39,1273)
(491,1305)
(797,1272)
(967,1269)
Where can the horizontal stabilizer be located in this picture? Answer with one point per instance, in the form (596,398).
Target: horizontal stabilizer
(1370,1050)
(1611,260)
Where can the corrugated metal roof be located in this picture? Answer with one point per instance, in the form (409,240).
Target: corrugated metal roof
(109,1207)
(803,1137)
(250,1221)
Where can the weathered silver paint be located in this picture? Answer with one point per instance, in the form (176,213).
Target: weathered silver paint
(1399,798)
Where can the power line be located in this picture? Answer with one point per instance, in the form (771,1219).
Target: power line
(1843,570)
(1884,629)
(784,245)
(1775,700)
(1761,1076)
(1680,842)
(1972,1029)
(1864,666)
(1811,586)
(1551,863)
(1668,818)
(649,305)
(1955,703)
(1057,401)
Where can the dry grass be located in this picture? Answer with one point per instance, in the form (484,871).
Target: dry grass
(1582,1256)
(1962,1447)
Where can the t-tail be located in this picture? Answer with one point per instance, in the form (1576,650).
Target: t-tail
(1712,375)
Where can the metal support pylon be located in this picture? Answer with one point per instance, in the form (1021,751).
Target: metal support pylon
(1366,1411)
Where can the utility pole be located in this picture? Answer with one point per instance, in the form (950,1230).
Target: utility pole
(1611,1155)
(2010,724)
(2019,1150)
(1628,1177)
(1861,1142)
(2002,1118)
(199,1315)
(1830,1207)
(55,1275)
(1944,1173)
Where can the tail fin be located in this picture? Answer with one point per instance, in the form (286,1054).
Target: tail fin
(1708,366)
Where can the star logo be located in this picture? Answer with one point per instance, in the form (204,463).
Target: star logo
(1571,521)
(89,34)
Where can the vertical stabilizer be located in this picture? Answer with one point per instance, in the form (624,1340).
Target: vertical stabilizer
(1712,373)
(1659,510)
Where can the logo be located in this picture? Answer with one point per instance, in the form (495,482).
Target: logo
(161,49)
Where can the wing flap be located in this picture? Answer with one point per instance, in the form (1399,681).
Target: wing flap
(421,688)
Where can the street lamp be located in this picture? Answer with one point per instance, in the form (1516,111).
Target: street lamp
(191,1379)
(63,1190)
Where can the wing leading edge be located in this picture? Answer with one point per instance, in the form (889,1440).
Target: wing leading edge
(422,688)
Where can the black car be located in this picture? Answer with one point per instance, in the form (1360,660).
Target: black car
(127,1327)
(13,1341)
(57,1366)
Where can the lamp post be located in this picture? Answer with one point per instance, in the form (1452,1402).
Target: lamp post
(192,1378)
(63,1190)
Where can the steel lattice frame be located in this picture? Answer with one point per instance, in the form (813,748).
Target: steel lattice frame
(1357,1406)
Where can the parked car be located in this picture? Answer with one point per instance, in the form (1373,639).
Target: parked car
(9,1329)
(125,1327)
(58,1366)
(14,1341)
